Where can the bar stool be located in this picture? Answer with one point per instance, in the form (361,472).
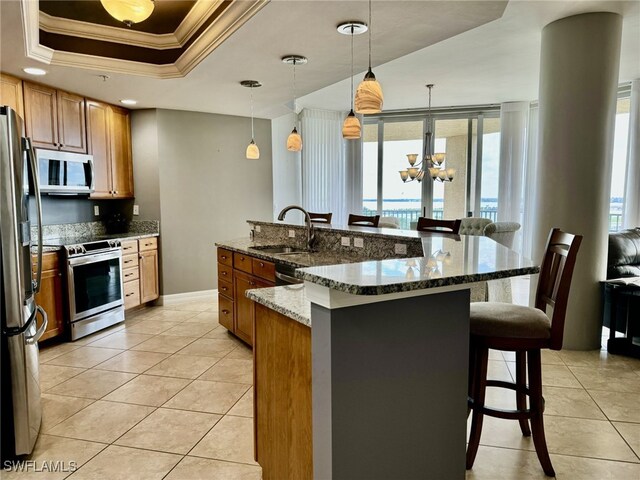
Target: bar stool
(434,225)
(320,217)
(525,331)
(364,220)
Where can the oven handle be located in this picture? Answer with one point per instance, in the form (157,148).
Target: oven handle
(93,258)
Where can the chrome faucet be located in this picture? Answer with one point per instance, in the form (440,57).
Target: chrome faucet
(311,236)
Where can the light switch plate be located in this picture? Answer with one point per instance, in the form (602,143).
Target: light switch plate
(401,248)
(258,228)
(136,209)
(358,242)
(345,241)
(96,210)
(292,234)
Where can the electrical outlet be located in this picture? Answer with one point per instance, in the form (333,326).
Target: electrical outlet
(258,228)
(345,241)
(401,248)
(96,210)
(358,242)
(136,209)
(292,234)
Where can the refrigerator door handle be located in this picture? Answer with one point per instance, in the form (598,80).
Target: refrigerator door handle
(45,322)
(12,332)
(36,183)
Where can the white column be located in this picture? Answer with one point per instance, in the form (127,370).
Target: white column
(578,84)
(631,216)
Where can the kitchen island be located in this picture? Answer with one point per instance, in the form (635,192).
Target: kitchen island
(363,374)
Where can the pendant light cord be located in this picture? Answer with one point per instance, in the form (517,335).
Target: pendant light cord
(351,91)
(369,34)
(294,86)
(251,113)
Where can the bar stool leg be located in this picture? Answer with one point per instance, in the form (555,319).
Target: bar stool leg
(521,397)
(480,384)
(473,359)
(537,407)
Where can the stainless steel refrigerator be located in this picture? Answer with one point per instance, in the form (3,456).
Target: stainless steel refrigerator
(20,387)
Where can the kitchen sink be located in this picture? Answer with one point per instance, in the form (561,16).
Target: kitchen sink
(279,250)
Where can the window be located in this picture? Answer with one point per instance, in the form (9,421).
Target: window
(388,140)
(618,175)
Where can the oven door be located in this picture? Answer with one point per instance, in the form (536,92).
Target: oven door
(95,284)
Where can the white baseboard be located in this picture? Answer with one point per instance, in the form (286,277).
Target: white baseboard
(187,297)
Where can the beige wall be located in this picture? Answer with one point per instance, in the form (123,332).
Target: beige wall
(206,189)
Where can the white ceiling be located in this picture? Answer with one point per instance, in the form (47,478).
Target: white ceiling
(454,44)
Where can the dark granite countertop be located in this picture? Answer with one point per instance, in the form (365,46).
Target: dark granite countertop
(289,300)
(55,244)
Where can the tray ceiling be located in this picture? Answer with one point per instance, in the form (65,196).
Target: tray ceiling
(169,44)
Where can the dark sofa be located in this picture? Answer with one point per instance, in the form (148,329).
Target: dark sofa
(623,262)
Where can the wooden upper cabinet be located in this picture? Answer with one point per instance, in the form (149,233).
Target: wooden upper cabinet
(99,145)
(121,161)
(41,115)
(72,133)
(55,119)
(11,93)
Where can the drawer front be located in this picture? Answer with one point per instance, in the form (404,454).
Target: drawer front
(150,243)
(264,269)
(225,257)
(225,288)
(225,312)
(50,261)
(129,274)
(130,246)
(225,272)
(130,260)
(131,294)
(242,262)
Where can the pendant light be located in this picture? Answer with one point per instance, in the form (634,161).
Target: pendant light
(351,129)
(294,141)
(369,94)
(253,152)
(129,11)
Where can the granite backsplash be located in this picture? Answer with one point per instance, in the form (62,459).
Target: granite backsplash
(89,229)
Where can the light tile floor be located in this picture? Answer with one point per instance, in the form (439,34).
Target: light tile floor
(168,395)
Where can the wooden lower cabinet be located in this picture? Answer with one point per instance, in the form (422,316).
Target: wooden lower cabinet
(237,273)
(282,396)
(51,295)
(140,273)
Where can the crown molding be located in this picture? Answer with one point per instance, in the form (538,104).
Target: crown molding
(106,33)
(215,34)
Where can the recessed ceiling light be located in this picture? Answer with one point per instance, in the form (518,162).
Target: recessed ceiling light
(34,71)
(128,101)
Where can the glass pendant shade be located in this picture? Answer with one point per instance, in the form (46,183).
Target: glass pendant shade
(438,158)
(129,11)
(351,127)
(404,175)
(369,97)
(413,172)
(253,152)
(294,141)
(412,157)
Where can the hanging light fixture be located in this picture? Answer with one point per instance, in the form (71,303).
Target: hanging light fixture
(294,141)
(253,152)
(351,129)
(369,93)
(432,163)
(129,11)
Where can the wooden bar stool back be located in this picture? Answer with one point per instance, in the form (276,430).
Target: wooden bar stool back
(364,220)
(525,331)
(434,225)
(320,217)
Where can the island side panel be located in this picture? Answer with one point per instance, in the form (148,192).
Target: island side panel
(398,394)
(282,396)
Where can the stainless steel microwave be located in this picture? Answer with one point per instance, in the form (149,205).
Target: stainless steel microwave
(65,173)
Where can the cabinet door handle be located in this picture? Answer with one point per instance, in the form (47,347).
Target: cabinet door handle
(224,257)
(224,289)
(226,312)
(128,261)
(129,294)
(252,283)
(148,244)
(224,273)
(261,264)
(116,192)
(128,274)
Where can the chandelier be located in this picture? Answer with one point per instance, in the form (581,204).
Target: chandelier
(432,163)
